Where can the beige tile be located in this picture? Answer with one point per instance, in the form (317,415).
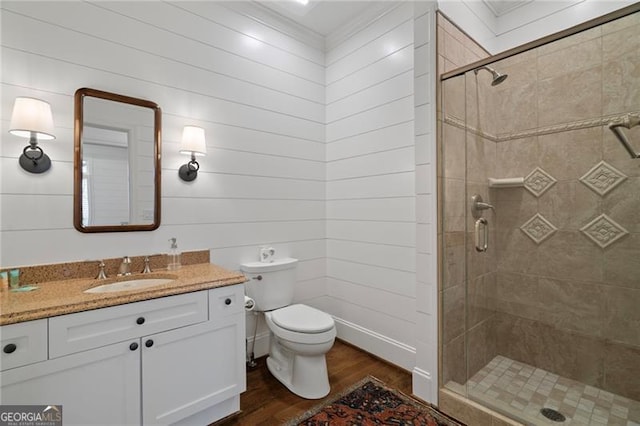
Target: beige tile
(569,205)
(621,23)
(481,346)
(516,252)
(516,295)
(454,361)
(454,260)
(621,83)
(571,305)
(449,66)
(622,262)
(570,59)
(561,352)
(481,158)
(569,155)
(570,255)
(620,43)
(453,306)
(454,150)
(570,41)
(622,369)
(454,205)
(481,300)
(516,109)
(622,204)
(453,50)
(453,97)
(465,411)
(441,35)
(569,97)
(517,157)
(622,318)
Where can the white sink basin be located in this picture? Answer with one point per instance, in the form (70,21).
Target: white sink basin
(135,284)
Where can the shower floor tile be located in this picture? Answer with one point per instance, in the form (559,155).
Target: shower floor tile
(522,391)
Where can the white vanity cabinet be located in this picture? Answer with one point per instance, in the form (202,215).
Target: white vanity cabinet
(98,386)
(173,360)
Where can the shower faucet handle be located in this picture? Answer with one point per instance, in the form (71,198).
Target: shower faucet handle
(478,206)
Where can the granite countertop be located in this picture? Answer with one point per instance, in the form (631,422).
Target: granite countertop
(67,296)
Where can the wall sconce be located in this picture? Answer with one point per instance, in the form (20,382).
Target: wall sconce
(193,144)
(31,118)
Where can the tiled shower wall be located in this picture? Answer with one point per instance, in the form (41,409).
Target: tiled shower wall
(568,283)
(560,287)
(456,49)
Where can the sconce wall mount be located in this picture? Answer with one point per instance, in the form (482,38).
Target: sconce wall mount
(31,118)
(193,143)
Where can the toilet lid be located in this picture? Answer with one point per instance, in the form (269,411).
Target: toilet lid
(302,318)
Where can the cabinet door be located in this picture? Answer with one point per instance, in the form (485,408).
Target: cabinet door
(191,369)
(100,386)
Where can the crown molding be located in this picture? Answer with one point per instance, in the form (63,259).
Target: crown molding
(270,18)
(377,10)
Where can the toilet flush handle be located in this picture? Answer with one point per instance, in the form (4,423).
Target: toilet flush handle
(257,277)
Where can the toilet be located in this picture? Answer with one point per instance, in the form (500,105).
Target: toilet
(300,335)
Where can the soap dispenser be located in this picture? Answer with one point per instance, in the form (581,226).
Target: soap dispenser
(174,256)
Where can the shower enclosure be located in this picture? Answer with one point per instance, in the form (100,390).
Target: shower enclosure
(544,325)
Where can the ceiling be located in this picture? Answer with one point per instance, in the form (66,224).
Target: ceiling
(321,17)
(326,16)
(501,7)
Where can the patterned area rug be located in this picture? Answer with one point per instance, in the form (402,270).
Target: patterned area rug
(371,402)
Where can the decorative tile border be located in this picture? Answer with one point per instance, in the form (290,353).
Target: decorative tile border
(603,178)
(603,231)
(556,128)
(538,228)
(538,182)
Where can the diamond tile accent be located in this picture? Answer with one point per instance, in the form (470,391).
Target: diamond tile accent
(603,177)
(604,231)
(538,181)
(538,228)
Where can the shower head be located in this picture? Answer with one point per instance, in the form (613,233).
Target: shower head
(497,77)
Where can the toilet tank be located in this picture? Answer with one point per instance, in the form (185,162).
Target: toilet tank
(271,284)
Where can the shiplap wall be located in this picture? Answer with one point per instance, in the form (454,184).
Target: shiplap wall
(258,92)
(371,231)
(317,155)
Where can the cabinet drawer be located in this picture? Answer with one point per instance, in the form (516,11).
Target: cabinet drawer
(225,301)
(23,343)
(91,329)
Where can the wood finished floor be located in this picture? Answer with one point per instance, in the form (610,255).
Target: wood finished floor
(267,402)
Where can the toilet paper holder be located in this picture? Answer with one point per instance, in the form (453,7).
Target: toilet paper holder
(249,303)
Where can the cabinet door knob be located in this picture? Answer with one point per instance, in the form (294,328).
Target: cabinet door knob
(227,301)
(140,321)
(10,348)
(148,343)
(133,346)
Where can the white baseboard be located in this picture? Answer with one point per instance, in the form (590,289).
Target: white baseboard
(261,347)
(424,386)
(377,344)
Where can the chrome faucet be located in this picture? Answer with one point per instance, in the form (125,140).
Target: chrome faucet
(125,267)
(147,268)
(101,274)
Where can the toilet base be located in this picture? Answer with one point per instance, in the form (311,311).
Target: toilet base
(305,376)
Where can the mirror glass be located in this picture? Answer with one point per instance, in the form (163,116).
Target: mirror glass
(117,163)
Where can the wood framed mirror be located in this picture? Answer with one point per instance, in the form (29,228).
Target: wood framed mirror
(117,146)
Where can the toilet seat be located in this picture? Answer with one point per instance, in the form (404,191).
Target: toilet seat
(293,319)
(302,319)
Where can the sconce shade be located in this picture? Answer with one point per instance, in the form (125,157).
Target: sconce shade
(193,141)
(31,117)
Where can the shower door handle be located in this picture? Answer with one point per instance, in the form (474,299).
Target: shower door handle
(482,246)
